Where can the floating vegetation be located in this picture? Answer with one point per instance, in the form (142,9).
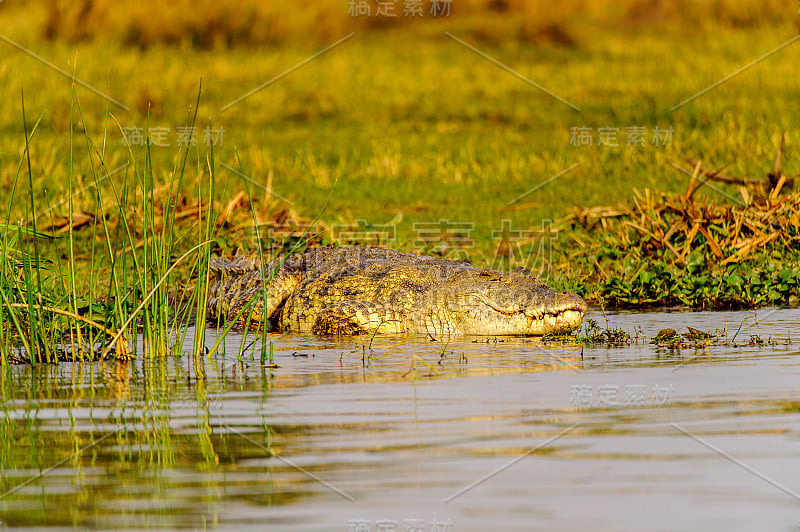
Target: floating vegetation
(592,333)
(697,339)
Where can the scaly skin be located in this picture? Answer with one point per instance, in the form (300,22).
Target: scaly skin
(350,290)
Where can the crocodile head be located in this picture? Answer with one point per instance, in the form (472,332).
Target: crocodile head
(486,302)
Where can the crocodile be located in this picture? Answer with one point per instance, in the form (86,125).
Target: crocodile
(355,290)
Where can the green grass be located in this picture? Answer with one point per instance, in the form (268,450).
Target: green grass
(52,316)
(427,128)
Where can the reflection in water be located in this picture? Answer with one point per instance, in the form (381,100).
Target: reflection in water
(471,434)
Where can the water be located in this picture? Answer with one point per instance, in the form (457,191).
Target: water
(412,434)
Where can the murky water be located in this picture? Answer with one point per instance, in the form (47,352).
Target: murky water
(413,434)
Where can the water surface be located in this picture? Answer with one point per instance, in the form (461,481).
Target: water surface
(407,433)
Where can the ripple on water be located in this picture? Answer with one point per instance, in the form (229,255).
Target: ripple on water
(474,432)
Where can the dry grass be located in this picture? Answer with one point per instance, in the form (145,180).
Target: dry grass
(658,222)
(208,24)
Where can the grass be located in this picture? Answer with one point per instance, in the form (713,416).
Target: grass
(418,133)
(47,311)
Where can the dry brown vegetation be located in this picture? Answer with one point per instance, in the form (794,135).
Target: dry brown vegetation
(767,216)
(658,222)
(206,23)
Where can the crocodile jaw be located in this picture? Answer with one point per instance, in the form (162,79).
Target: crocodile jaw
(564,314)
(561,322)
(553,314)
(519,324)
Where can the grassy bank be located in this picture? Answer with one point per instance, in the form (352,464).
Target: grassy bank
(420,142)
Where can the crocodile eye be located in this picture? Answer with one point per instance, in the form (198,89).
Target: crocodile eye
(519,270)
(491,275)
